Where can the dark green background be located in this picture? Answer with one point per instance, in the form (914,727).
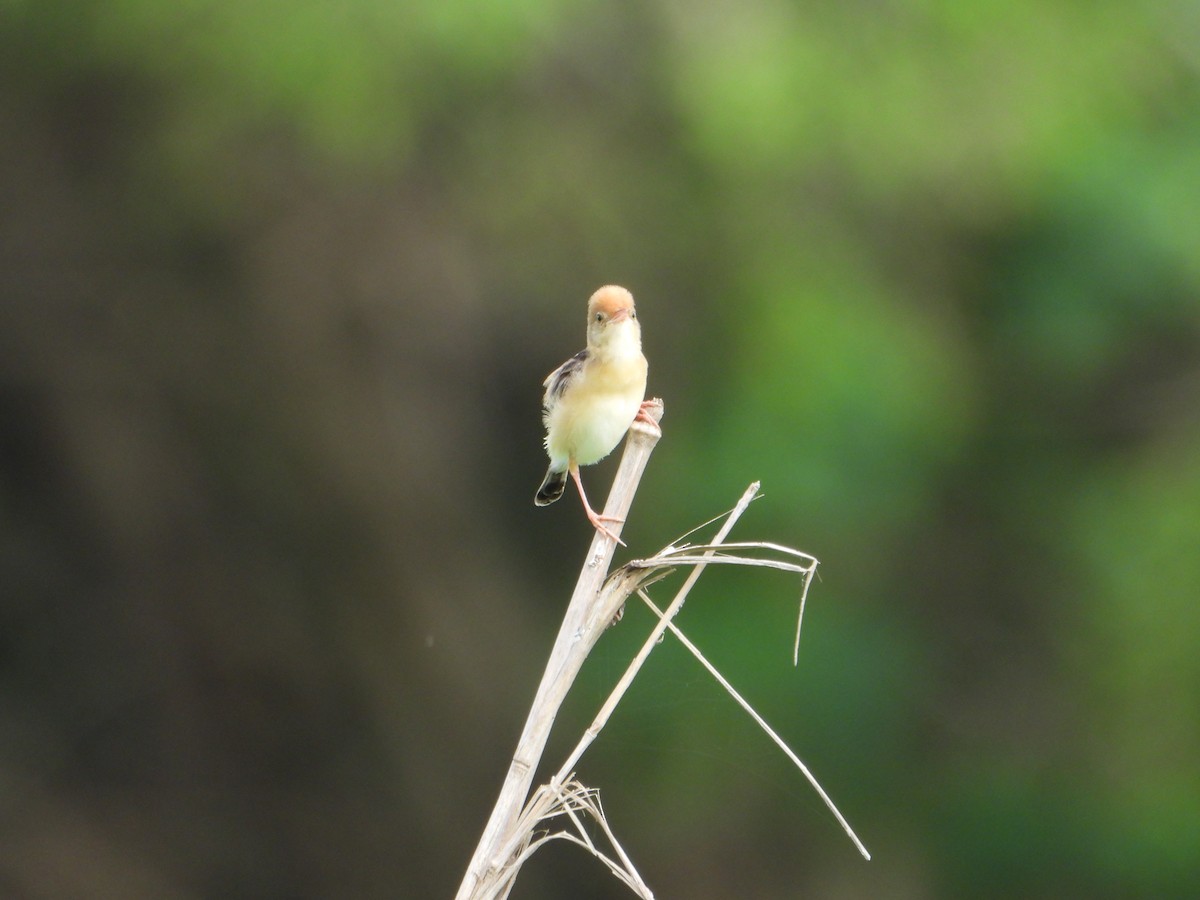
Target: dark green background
(279,282)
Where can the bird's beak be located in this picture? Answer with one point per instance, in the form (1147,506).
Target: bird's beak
(618,315)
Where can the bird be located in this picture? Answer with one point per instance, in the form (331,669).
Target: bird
(593,398)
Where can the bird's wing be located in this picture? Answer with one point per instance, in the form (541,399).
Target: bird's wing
(559,381)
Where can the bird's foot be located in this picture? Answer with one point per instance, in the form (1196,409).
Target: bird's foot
(644,416)
(598,521)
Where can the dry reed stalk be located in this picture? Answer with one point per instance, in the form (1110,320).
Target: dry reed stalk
(516,830)
(576,637)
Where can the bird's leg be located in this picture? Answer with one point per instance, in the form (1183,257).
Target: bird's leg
(594,517)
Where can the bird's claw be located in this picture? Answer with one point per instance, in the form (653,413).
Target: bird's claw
(644,416)
(598,521)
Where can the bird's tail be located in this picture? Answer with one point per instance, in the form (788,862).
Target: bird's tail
(552,487)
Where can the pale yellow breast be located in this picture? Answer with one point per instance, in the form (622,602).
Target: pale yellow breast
(590,419)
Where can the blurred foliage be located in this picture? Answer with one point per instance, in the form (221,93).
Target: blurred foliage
(281,281)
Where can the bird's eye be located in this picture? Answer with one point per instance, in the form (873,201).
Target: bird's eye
(633,314)
(599,317)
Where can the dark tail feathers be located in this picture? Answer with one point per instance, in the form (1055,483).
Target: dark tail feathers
(552,488)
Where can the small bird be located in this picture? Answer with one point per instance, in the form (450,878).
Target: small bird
(593,398)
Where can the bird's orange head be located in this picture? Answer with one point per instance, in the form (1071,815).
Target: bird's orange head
(610,304)
(612,322)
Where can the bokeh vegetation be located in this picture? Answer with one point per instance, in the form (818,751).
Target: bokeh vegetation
(281,281)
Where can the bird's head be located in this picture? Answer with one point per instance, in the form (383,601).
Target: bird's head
(612,319)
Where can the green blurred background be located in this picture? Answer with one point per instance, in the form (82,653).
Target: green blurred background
(278,286)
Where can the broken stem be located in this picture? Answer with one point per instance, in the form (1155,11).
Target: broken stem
(578,634)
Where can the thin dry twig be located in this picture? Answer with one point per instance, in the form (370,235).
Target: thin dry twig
(648,570)
(760,721)
(684,555)
(571,800)
(622,585)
